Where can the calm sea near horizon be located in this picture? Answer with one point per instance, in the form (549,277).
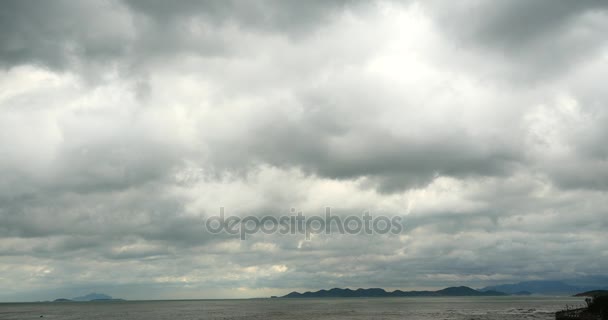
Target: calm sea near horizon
(420,308)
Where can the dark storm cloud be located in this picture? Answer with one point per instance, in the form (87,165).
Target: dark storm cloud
(61,33)
(394,162)
(53,33)
(527,32)
(109,216)
(515,24)
(268,15)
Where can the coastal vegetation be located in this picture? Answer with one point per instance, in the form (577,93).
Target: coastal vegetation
(597,307)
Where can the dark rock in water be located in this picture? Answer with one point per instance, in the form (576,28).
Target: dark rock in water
(62,300)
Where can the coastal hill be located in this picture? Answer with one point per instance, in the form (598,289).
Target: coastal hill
(377,292)
(592,293)
(548,287)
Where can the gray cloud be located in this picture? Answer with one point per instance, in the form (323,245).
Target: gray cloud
(525,33)
(131,33)
(53,34)
(124,124)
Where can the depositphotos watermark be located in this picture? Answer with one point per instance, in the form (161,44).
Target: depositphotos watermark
(298,223)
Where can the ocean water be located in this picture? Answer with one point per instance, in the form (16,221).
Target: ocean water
(454,308)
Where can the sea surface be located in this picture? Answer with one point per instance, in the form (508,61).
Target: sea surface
(456,308)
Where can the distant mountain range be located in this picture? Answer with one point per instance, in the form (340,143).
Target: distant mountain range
(89,297)
(377,292)
(540,287)
(544,287)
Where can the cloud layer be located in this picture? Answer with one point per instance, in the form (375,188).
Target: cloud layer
(124,124)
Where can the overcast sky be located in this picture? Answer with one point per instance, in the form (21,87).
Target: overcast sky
(123,124)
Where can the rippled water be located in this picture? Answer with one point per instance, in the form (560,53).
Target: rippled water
(469,308)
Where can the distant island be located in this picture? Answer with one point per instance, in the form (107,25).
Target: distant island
(592,293)
(587,285)
(377,292)
(548,287)
(89,297)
